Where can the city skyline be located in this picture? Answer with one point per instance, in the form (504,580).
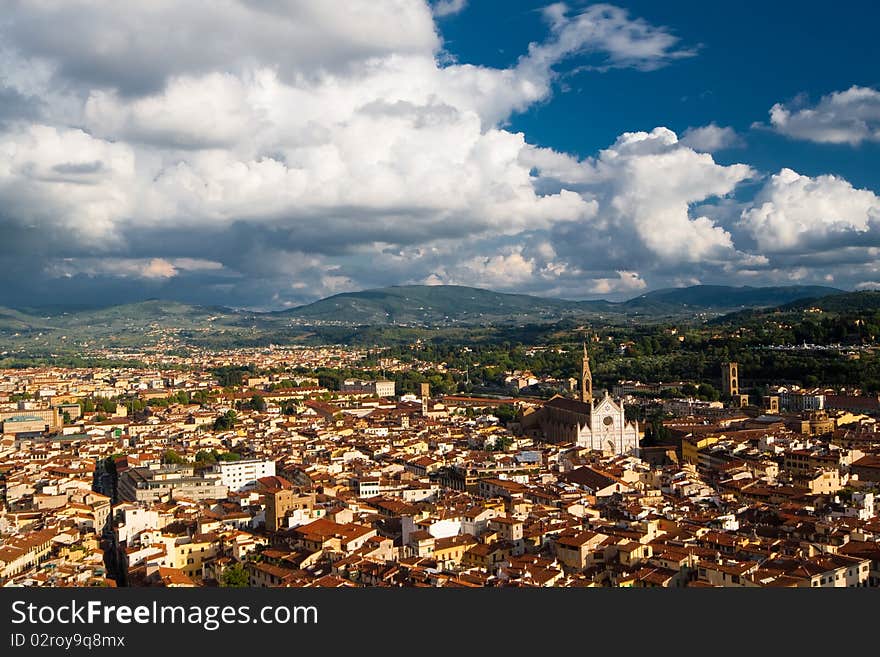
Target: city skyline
(268,154)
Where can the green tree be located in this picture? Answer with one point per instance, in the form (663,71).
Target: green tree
(708,392)
(231,375)
(235,576)
(225,421)
(506,413)
(106,404)
(172,457)
(502,443)
(205,456)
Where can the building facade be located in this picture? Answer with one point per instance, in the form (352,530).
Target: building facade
(243,475)
(359,387)
(598,425)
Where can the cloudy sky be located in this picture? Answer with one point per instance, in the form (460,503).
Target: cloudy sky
(266,153)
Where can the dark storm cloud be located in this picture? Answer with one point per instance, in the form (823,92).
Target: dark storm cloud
(78,167)
(32,288)
(15,105)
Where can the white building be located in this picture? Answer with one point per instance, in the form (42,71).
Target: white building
(381,388)
(598,425)
(242,475)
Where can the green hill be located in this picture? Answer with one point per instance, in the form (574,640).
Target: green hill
(864,301)
(454,304)
(14,321)
(431,304)
(722,297)
(145,313)
(411,307)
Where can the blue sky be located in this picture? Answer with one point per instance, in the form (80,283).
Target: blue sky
(751,55)
(266,153)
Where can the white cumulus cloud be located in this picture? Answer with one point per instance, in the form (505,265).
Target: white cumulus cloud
(273,151)
(448,7)
(843,117)
(794,212)
(710,138)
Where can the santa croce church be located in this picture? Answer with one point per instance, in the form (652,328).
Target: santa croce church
(599,425)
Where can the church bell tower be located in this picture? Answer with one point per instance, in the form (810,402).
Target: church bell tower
(586,379)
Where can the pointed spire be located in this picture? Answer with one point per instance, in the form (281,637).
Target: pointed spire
(586,378)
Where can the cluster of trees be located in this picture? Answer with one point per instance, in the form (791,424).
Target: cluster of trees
(234,576)
(171,457)
(703,391)
(501,443)
(284,384)
(203,457)
(506,413)
(179,397)
(405,382)
(66,360)
(232,375)
(99,404)
(255,403)
(213,456)
(225,422)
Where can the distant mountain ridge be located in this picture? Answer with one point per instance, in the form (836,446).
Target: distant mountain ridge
(863,302)
(423,305)
(443,304)
(728,297)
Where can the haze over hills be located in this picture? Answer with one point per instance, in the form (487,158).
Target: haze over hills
(444,304)
(864,300)
(375,316)
(419,305)
(724,298)
(437,304)
(864,303)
